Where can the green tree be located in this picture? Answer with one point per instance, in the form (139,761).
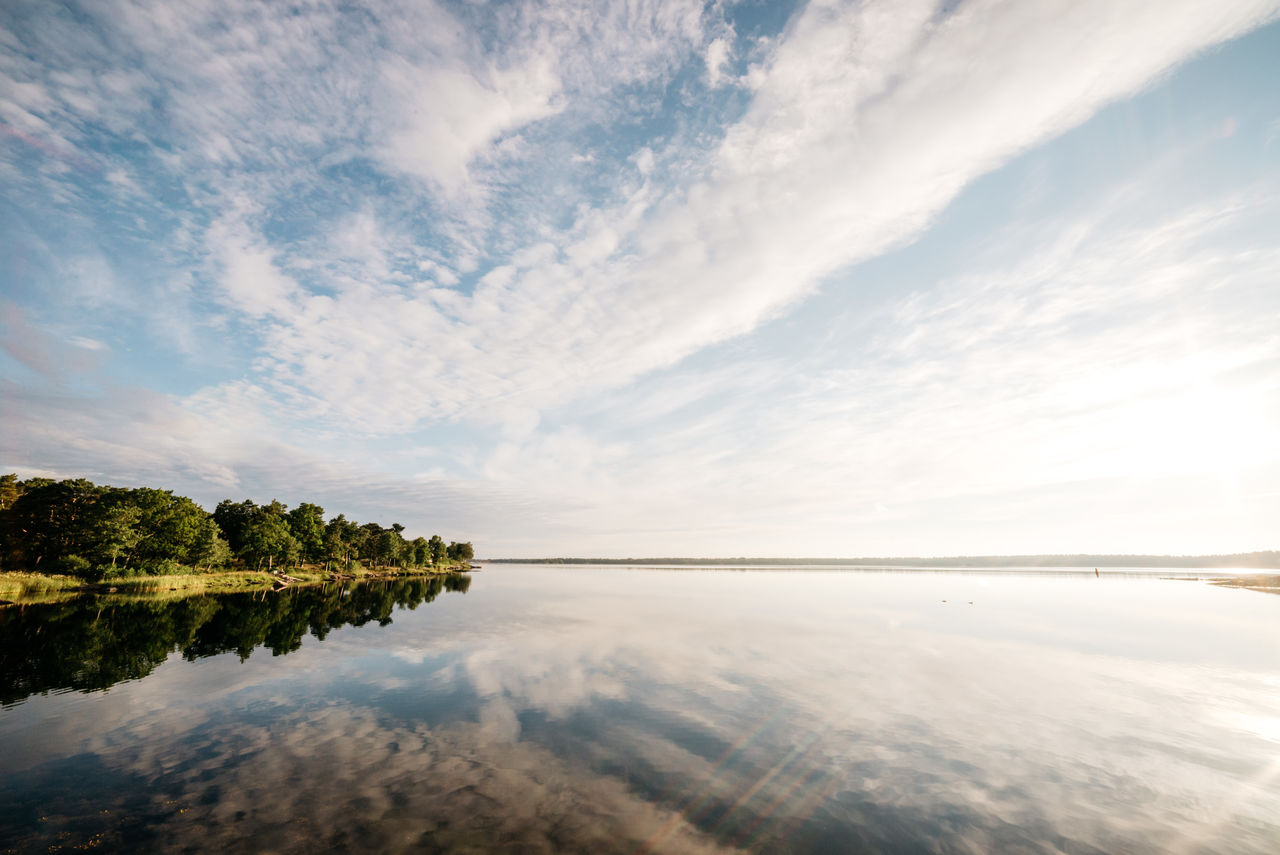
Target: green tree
(367,541)
(10,490)
(234,519)
(209,548)
(79,527)
(117,533)
(339,539)
(420,552)
(267,540)
(390,546)
(50,519)
(306,524)
(174,527)
(437,548)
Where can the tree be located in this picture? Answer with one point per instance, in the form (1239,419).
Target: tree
(306,524)
(390,546)
(234,519)
(10,490)
(209,547)
(78,527)
(173,526)
(437,548)
(340,537)
(50,519)
(268,539)
(420,552)
(367,541)
(117,532)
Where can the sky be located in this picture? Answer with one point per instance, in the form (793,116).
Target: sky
(656,278)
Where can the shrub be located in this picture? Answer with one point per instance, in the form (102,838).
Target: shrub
(80,567)
(166,567)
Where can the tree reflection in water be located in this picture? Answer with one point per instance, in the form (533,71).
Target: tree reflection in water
(92,643)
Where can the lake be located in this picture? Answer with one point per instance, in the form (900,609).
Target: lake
(587,709)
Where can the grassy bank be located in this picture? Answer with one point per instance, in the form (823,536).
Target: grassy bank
(29,588)
(1269,583)
(38,588)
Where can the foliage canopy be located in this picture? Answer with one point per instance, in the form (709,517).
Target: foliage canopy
(83,529)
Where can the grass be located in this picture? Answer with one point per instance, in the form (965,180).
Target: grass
(13,585)
(1269,583)
(191,582)
(32,588)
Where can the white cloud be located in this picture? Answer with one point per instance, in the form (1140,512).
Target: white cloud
(86,343)
(1099,353)
(717,55)
(868,121)
(443,119)
(644,160)
(251,280)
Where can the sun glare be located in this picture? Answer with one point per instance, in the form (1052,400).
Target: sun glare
(1207,430)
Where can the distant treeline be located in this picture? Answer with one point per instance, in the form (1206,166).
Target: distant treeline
(1248,560)
(91,531)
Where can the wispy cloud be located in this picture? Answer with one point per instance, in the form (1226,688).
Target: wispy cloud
(1099,353)
(771,211)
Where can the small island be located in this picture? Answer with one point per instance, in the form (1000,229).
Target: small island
(64,537)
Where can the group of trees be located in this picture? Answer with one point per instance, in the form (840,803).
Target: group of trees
(87,530)
(264,535)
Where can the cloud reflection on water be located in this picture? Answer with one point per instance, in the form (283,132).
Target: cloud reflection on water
(628,712)
(979,743)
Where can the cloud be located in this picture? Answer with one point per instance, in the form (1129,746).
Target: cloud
(251,281)
(450,117)
(863,126)
(37,351)
(1090,352)
(717,55)
(238,441)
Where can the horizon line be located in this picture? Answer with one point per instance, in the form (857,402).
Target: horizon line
(1093,557)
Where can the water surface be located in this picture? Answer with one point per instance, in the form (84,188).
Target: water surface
(545,709)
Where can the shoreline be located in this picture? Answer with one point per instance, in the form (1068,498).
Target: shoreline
(1267,583)
(27,588)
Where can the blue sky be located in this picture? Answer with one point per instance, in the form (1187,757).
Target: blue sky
(656,278)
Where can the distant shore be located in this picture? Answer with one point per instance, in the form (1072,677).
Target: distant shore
(1268,582)
(1266,560)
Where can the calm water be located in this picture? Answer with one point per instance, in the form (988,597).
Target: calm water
(541,709)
